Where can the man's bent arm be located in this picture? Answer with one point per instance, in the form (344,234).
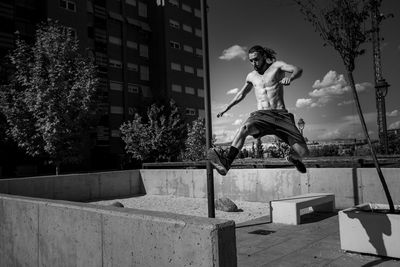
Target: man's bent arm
(238,97)
(294,70)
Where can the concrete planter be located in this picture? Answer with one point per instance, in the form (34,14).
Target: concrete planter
(366,231)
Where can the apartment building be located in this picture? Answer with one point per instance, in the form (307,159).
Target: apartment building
(147,51)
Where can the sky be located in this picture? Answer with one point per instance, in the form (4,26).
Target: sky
(321,96)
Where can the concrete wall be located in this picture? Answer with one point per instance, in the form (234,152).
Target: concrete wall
(76,187)
(36,232)
(350,186)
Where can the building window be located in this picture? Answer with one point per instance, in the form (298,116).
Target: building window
(197,12)
(144,73)
(198,32)
(132,44)
(142,10)
(103,84)
(132,66)
(68,5)
(133,88)
(116,86)
(115,16)
(144,50)
(101,59)
(202,113)
(174,24)
(190,111)
(116,110)
(187,8)
(200,72)
(189,90)
(115,133)
(176,66)
(200,93)
(133,21)
(100,35)
(187,28)
(146,91)
(174,2)
(115,63)
(175,45)
(89,6)
(114,40)
(131,2)
(188,48)
(199,52)
(189,69)
(99,11)
(176,88)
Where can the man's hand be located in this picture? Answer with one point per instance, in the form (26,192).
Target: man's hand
(285,81)
(220,114)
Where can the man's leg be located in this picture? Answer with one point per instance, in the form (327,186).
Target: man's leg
(299,150)
(222,164)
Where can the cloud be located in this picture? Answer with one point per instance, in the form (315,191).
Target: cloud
(235,51)
(303,102)
(223,135)
(232,91)
(333,86)
(346,102)
(237,122)
(395,125)
(394,113)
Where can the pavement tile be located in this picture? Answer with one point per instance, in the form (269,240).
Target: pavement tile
(315,243)
(259,258)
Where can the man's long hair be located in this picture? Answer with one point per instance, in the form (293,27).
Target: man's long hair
(268,52)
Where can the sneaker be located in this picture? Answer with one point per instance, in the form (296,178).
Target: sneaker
(297,163)
(220,163)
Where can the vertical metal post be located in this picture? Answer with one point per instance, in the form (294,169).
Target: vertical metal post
(207,105)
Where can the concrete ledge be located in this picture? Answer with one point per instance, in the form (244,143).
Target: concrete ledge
(61,233)
(287,210)
(350,186)
(76,187)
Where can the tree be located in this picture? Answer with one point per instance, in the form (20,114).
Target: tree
(259,149)
(49,102)
(195,144)
(159,138)
(342,25)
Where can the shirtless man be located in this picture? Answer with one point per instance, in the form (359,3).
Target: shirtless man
(267,79)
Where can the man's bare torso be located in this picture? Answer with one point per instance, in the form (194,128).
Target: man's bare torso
(268,90)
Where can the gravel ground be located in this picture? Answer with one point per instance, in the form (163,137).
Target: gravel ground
(192,206)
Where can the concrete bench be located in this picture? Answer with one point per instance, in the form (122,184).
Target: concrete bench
(287,210)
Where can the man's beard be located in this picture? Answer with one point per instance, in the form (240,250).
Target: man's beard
(258,68)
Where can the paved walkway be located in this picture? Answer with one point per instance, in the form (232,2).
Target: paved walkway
(313,243)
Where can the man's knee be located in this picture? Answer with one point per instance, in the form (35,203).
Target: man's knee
(245,129)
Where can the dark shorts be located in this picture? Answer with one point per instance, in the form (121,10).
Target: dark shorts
(276,122)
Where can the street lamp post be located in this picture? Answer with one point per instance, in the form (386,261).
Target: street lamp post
(207,105)
(301,125)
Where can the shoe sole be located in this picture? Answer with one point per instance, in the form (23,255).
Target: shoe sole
(214,159)
(300,167)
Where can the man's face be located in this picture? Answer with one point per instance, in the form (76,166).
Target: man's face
(257,60)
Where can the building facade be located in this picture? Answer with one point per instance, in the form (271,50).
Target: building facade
(146,51)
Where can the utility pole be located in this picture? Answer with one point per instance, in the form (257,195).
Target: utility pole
(207,105)
(381,86)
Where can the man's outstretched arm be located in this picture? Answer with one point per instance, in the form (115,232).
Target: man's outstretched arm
(238,97)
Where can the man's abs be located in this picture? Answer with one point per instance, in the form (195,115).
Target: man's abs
(269,98)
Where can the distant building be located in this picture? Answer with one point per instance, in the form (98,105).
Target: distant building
(393,132)
(146,51)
